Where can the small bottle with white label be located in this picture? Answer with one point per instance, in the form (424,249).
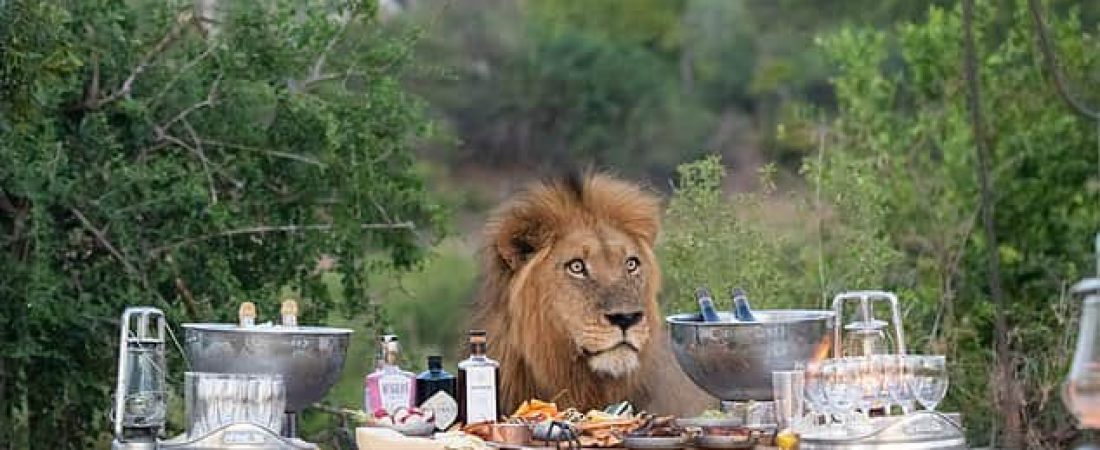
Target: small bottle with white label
(246,314)
(478,384)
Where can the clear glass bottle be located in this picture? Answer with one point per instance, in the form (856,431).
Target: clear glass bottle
(436,392)
(390,388)
(478,383)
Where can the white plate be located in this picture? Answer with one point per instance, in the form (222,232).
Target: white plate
(723,442)
(641,442)
(707,422)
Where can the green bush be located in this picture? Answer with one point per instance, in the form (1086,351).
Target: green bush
(801,261)
(910,128)
(149,158)
(895,198)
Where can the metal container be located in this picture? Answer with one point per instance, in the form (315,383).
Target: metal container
(309,359)
(735,360)
(922,430)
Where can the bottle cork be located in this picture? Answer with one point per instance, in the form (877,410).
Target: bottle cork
(289,313)
(246,314)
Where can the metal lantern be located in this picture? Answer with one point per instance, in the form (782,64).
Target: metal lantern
(141,406)
(867,336)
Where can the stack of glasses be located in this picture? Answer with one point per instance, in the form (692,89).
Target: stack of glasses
(838,389)
(215,400)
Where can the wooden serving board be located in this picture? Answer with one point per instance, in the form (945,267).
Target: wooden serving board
(537,447)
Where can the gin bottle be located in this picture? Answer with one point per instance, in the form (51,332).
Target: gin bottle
(435,392)
(478,384)
(390,388)
(706,305)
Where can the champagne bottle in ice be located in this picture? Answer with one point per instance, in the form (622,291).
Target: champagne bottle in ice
(706,305)
(742,312)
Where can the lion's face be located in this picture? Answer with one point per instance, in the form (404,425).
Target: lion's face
(572,277)
(600,297)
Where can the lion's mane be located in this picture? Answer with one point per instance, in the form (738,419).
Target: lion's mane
(536,355)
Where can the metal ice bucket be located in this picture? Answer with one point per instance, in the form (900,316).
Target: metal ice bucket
(309,359)
(734,361)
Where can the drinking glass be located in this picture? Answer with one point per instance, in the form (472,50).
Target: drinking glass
(928,379)
(841,387)
(870,380)
(897,381)
(788,391)
(815,390)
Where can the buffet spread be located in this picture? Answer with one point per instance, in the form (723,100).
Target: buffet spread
(781,378)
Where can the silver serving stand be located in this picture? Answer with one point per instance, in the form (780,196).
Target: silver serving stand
(921,430)
(237,436)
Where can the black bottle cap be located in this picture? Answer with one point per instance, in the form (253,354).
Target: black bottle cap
(435,362)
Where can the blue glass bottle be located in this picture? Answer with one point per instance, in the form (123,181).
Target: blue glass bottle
(706,305)
(436,392)
(741,309)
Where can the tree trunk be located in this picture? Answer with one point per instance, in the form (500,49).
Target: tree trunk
(1006,393)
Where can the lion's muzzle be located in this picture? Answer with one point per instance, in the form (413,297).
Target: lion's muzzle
(625,321)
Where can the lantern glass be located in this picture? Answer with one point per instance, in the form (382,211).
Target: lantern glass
(866,338)
(1081,392)
(145,403)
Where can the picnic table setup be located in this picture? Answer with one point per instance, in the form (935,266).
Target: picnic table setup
(782,379)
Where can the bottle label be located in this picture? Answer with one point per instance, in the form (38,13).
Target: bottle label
(396,391)
(481,394)
(444,407)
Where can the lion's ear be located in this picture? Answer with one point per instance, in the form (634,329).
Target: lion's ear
(519,235)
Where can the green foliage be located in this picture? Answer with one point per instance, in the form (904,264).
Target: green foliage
(653,24)
(559,82)
(722,242)
(147,158)
(892,203)
(911,127)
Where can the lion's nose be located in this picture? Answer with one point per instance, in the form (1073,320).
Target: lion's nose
(624,321)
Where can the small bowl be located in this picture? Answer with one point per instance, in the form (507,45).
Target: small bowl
(510,433)
(422,429)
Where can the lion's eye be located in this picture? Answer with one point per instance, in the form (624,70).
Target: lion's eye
(576,268)
(632,264)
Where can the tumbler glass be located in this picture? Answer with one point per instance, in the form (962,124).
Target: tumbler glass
(788,390)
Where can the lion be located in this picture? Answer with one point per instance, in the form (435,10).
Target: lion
(569,298)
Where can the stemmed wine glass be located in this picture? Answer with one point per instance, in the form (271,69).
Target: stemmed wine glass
(870,370)
(842,389)
(896,381)
(928,379)
(815,390)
